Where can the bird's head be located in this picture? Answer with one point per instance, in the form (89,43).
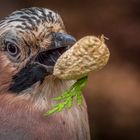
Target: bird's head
(31,41)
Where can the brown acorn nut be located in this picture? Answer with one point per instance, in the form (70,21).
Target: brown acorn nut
(88,54)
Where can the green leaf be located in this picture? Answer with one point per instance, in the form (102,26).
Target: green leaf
(66,100)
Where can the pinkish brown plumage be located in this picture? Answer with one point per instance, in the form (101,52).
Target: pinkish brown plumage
(31,41)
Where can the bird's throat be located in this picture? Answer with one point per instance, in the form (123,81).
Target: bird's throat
(42,94)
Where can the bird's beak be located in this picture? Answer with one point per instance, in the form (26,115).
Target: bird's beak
(61,40)
(59,44)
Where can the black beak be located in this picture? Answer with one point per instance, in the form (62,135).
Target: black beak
(60,43)
(61,40)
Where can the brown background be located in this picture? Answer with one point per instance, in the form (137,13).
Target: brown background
(112,94)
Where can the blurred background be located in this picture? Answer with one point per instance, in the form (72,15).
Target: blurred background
(112,94)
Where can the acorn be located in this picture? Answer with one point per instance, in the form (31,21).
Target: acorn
(88,54)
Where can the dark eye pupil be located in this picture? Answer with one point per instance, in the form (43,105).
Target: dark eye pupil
(12,49)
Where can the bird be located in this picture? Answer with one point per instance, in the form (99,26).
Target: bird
(31,41)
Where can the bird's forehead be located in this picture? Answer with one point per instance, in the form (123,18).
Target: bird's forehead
(31,18)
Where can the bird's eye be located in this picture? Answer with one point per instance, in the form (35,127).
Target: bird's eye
(12,49)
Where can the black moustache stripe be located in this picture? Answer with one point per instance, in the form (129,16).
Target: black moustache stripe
(35,71)
(28,76)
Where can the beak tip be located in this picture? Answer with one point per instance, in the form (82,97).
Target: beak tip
(73,39)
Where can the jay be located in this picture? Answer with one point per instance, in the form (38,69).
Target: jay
(31,41)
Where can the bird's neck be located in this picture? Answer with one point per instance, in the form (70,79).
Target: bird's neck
(42,95)
(36,101)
